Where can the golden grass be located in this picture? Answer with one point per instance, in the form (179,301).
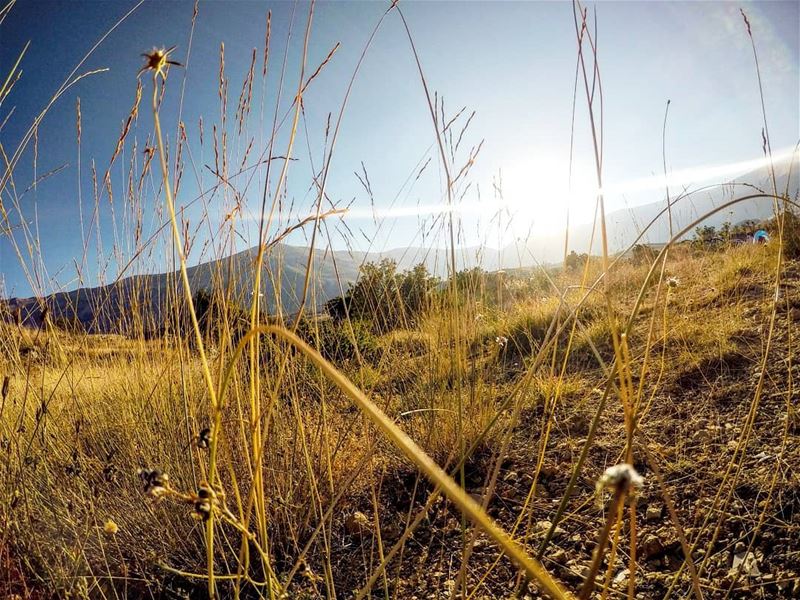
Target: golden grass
(118,404)
(239,460)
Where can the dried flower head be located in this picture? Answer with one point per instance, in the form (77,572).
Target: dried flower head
(622,477)
(204,438)
(157,60)
(202,510)
(109,472)
(673,282)
(204,502)
(155,481)
(110,528)
(501,340)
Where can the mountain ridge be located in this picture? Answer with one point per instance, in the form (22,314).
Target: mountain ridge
(98,308)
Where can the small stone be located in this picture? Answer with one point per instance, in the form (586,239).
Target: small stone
(650,546)
(543,527)
(620,578)
(653,514)
(746,564)
(357,523)
(574,571)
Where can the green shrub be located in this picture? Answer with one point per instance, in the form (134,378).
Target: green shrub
(337,341)
(523,335)
(385,298)
(791,235)
(408,343)
(575,261)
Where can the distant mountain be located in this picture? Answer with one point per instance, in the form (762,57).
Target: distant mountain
(142,299)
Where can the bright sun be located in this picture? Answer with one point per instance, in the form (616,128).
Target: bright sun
(538,193)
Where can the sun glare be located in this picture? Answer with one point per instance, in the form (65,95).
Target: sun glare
(538,192)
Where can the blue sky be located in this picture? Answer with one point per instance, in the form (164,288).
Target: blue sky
(511,62)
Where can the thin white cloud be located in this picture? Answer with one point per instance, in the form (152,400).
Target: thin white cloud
(692,176)
(699,174)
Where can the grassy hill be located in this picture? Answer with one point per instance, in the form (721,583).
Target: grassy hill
(143,300)
(711,366)
(616,417)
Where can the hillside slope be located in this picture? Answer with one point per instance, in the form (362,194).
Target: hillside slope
(716,444)
(108,308)
(100,308)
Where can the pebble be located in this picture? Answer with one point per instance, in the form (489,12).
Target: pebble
(653,513)
(650,546)
(357,523)
(746,564)
(543,527)
(620,577)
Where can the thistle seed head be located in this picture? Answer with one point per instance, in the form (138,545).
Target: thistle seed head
(155,481)
(622,477)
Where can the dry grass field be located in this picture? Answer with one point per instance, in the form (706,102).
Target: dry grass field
(624,425)
(711,366)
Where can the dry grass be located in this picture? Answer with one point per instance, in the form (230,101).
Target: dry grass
(119,404)
(453,456)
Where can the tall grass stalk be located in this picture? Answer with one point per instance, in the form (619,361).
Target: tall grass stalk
(215,408)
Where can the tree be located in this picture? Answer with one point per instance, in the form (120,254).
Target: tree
(725,232)
(417,287)
(384,297)
(470,280)
(706,234)
(376,295)
(575,260)
(214,314)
